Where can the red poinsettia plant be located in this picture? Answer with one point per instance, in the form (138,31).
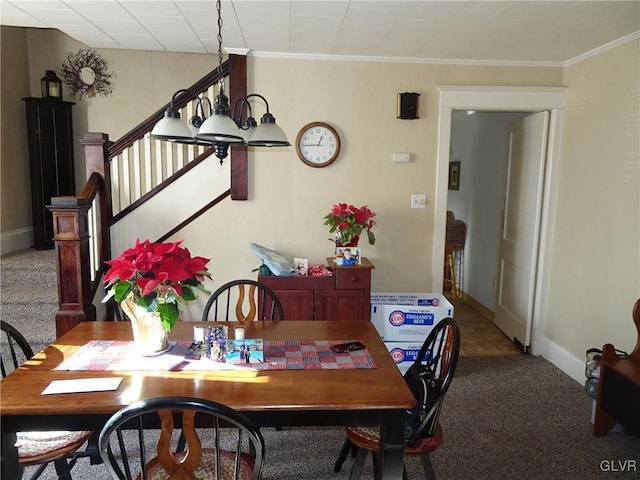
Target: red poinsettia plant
(158,277)
(348,222)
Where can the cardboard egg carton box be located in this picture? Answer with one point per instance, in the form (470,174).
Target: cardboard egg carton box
(408,317)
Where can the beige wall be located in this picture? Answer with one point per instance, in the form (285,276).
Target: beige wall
(14,158)
(359,99)
(595,264)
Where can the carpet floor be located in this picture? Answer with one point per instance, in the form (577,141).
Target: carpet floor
(504,418)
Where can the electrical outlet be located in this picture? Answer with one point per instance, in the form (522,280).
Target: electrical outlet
(400,158)
(418,200)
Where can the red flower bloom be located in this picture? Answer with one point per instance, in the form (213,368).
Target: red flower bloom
(156,274)
(348,221)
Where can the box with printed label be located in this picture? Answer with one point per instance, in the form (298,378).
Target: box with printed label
(404,354)
(407,317)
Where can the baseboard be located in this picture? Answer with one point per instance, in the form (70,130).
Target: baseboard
(16,240)
(476,305)
(565,361)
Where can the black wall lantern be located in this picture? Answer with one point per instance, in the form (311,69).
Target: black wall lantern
(51,86)
(407,106)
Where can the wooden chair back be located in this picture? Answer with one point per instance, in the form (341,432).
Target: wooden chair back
(441,350)
(232,447)
(439,353)
(249,300)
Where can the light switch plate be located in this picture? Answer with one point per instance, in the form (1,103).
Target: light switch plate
(400,158)
(418,200)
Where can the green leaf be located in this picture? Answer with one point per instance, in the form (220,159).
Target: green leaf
(168,314)
(122,289)
(372,239)
(188,293)
(202,289)
(146,301)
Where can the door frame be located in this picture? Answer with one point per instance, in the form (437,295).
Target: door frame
(518,99)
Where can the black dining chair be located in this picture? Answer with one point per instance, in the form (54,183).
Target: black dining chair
(250,300)
(222,443)
(436,363)
(39,449)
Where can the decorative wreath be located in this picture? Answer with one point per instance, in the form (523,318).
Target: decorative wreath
(85,74)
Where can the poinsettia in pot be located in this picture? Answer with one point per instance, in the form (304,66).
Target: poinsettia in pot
(347,223)
(150,282)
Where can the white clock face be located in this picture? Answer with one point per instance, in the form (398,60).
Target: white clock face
(318,145)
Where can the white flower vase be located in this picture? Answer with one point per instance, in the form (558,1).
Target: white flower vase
(149,335)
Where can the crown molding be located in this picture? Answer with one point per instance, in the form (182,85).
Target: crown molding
(608,46)
(414,60)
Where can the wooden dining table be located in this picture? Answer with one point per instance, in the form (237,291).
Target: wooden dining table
(298,397)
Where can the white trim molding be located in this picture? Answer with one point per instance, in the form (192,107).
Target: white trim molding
(516,99)
(564,360)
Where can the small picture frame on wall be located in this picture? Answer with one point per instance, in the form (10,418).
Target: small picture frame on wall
(454,175)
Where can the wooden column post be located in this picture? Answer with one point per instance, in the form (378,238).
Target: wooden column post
(95,157)
(71,237)
(238,154)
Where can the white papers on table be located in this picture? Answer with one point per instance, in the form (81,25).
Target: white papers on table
(79,385)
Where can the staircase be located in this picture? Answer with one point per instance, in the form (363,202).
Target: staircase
(123,176)
(28,294)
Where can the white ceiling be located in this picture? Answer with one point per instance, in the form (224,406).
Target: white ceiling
(480,32)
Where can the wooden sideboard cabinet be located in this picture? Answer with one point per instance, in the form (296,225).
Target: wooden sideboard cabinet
(619,387)
(50,137)
(344,296)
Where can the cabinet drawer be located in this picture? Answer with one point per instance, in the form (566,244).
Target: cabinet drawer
(352,278)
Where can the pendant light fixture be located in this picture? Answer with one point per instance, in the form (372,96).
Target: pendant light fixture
(222,128)
(171,128)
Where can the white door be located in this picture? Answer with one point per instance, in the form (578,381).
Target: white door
(520,237)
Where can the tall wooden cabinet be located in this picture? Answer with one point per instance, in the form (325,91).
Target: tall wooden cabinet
(50,137)
(344,296)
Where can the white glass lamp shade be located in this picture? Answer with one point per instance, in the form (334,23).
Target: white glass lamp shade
(171,128)
(220,128)
(267,135)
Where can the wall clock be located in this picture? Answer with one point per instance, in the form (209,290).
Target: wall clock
(318,144)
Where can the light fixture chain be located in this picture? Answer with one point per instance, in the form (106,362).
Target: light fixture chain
(219,9)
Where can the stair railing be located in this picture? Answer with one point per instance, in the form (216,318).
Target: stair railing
(140,168)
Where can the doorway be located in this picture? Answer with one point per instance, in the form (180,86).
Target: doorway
(505,99)
(479,149)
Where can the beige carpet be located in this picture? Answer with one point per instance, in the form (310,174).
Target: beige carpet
(28,294)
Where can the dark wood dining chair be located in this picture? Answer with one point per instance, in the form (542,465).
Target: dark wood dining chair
(250,300)
(439,354)
(222,443)
(39,449)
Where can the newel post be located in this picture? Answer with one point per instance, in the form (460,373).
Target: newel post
(71,238)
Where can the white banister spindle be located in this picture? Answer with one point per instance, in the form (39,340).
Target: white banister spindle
(115,185)
(146,146)
(125,184)
(137,171)
(94,257)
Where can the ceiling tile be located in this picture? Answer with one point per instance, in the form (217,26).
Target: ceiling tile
(478,30)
